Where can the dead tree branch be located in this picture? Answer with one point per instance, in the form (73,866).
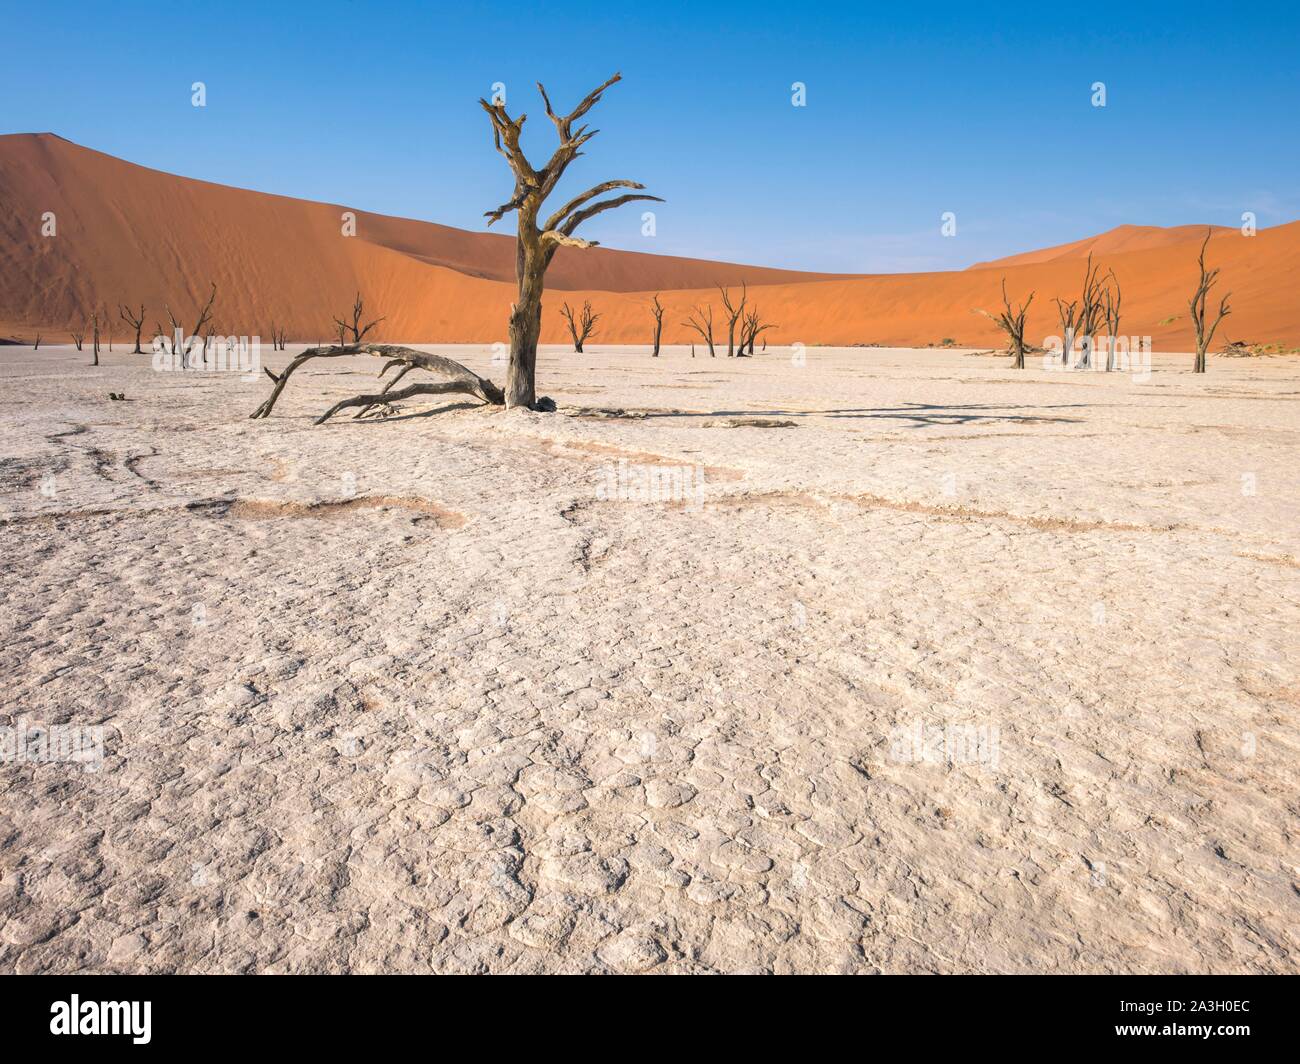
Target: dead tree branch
(136,321)
(1111,299)
(582,328)
(702,322)
(356,330)
(1205,329)
(1012,322)
(657,311)
(459,378)
(752,326)
(205,316)
(734,312)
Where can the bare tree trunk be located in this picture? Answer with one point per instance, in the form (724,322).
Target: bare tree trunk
(95,336)
(1012,322)
(702,322)
(1205,329)
(525,323)
(136,321)
(581,326)
(734,311)
(657,309)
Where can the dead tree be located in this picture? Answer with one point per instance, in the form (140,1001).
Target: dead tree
(1204,328)
(94,336)
(734,311)
(751,327)
(136,321)
(1091,311)
(277,338)
(1012,322)
(180,336)
(1069,316)
(37,345)
(1111,298)
(1080,317)
(537,241)
(583,326)
(79,338)
(657,310)
(702,322)
(355,328)
(535,247)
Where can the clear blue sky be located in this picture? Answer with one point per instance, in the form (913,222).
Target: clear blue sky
(909,113)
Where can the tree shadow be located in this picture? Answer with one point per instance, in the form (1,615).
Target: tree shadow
(918,415)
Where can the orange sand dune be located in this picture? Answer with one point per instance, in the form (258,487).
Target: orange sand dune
(130,234)
(1112,242)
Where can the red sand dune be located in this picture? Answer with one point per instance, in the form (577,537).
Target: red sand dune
(1108,244)
(130,234)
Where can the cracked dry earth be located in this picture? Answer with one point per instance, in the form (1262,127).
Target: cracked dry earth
(412,695)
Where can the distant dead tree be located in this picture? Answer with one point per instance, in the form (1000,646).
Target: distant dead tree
(1012,322)
(136,321)
(186,340)
(657,310)
(751,327)
(1068,313)
(535,247)
(1091,311)
(1204,328)
(734,312)
(354,332)
(277,338)
(1079,318)
(94,339)
(79,338)
(37,345)
(1111,298)
(583,326)
(702,322)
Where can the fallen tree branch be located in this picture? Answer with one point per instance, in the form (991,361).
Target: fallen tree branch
(459,378)
(406,368)
(386,396)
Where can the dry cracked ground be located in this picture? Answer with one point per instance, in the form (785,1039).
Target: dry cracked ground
(419,694)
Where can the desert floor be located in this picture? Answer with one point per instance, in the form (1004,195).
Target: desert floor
(418,694)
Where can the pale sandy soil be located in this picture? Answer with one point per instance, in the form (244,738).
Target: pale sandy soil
(409,695)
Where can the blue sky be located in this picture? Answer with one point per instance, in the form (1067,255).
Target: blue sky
(910,113)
